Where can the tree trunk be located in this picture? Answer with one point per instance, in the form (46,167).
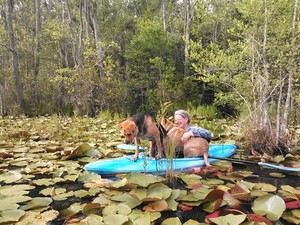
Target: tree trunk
(290,75)
(11,36)
(187,26)
(87,18)
(164,16)
(36,60)
(266,82)
(71,25)
(97,41)
(3,106)
(278,110)
(36,51)
(80,37)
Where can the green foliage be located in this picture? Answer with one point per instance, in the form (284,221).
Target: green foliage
(149,58)
(239,58)
(208,112)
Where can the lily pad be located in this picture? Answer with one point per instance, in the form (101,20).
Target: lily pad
(143,180)
(241,192)
(193,222)
(120,209)
(288,216)
(172,221)
(37,202)
(12,215)
(159,191)
(157,206)
(6,199)
(270,205)
(79,151)
(277,175)
(213,205)
(32,217)
(229,219)
(21,189)
(10,177)
(115,219)
(73,209)
(93,219)
(92,208)
(127,199)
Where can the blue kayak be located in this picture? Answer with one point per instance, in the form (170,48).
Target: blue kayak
(113,166)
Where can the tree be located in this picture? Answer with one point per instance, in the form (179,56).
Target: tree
(189,11)
(13,50)
(241,61)
(291,72)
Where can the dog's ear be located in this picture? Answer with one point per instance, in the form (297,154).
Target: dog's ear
(136,129)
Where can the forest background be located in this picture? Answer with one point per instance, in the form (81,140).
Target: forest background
(238,57)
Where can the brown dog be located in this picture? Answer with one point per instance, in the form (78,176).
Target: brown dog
(144,126)
(195,146)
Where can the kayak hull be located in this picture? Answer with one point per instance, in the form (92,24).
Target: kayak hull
(145,164)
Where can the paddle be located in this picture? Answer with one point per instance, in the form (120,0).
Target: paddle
(258,163)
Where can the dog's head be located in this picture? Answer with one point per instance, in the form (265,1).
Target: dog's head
(129,129)
(167,124)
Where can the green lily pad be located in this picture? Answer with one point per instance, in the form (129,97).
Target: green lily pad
(229,219)
(12,215)
(139,193)
(9,206)
(37,202)
(43,181)
(171,221)
(127,199)
(213,205)
(6,199)
(77,152)
(296,213)
(10,177)
(93,219)
(140,217)
(115,219)
(277,175)
(102,200)
(63,196)
(213,181)
(51,191)
(172,203)
(270,205)
(120,209)
(193,222)
(118,183)
(288,216)
(92,208)
(81,193)
(88,177)
(32,217)
(21,189)
(143,180)
(73,209)
(159,191)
